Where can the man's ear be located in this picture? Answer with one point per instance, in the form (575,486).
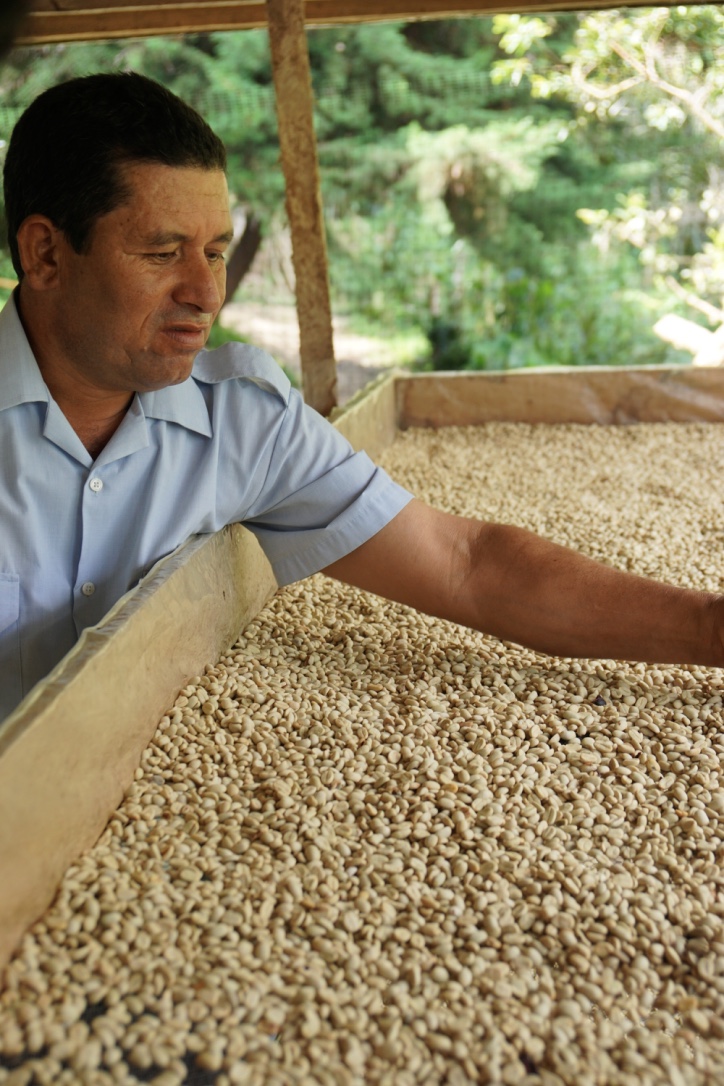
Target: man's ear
(40,243)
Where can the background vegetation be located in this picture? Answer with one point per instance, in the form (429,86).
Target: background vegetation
(522,190)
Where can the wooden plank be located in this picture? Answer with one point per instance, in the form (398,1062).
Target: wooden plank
(85,20)
(138,20)
(606,395)
(120,5)
(69,751)
(369,419)
(297,141)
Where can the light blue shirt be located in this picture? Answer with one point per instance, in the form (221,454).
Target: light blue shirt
(233,443)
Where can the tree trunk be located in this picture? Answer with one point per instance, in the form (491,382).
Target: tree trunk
(242,256)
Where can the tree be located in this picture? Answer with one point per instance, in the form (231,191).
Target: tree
(521,187)
(656,75)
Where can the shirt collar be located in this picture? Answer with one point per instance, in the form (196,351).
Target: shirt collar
(22,382)
(183,404)
(20,378)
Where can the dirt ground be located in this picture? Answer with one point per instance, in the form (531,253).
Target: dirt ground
(274,327)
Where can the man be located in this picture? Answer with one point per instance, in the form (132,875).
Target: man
(114,452)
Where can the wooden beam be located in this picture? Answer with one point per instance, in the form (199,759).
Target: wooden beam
(137,20)
(295,113)
(86,20)
(606,395)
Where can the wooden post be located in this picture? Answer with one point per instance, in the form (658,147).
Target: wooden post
(295,113)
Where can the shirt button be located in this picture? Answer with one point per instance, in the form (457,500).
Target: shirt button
(88,588)
(96,484)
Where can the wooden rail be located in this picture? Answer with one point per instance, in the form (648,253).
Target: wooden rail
(84,20)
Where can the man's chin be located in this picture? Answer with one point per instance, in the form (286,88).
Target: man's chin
(169,372)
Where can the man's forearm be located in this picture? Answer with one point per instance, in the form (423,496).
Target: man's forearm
(506,581)
(526,589)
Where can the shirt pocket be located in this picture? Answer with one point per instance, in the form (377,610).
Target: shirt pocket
(11,682)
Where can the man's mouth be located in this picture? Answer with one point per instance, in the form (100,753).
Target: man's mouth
(192,336)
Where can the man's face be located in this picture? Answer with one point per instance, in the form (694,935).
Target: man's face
(137,306)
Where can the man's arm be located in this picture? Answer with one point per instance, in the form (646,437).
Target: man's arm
(506,581)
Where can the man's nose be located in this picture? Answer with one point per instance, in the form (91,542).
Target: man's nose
(201,285)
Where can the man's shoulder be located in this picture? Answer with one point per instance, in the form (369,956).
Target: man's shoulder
(242,362)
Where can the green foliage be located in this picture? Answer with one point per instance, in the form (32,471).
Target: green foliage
(479,224)
(654,76)
(527,321)
(220,334)
(520,188)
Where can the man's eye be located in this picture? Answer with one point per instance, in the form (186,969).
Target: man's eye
(161,257)
(215,258)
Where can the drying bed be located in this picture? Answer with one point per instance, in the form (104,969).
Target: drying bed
(367,846)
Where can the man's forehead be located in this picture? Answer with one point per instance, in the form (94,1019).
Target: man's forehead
(164,200)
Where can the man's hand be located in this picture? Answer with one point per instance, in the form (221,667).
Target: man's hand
(506,581)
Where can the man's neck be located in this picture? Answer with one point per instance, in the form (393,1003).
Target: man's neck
(94,415)
(96,434)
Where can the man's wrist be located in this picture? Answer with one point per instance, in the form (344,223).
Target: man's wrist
(715,623)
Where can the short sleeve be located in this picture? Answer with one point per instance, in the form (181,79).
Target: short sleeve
(320,499)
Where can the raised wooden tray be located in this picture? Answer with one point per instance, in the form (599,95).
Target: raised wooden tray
(70,749)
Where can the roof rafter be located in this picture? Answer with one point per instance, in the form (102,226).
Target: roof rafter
(78,20)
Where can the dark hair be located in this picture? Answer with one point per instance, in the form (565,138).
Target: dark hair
(64,153)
